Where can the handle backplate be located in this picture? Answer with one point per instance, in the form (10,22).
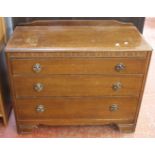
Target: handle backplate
(37,68)
(120,67)
(117,86)
(40,108)
(113,107)
(38,87)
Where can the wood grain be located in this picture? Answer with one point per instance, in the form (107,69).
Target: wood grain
(77,108)
(78,66)
(77,38)
(5,103)
(75,23)
(2,33)
(75,54)
(77,85)
(77,74)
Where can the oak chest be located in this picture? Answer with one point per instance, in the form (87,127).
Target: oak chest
(5,102)
(77,74)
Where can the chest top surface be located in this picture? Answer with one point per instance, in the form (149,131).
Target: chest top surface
(105,37)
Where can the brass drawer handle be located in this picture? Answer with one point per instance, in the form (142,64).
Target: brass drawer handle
(113,107)
(38,87)
(116,86)
(120,67)
(37,68)
(40,108)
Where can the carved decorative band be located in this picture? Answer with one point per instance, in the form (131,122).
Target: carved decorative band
(80,54)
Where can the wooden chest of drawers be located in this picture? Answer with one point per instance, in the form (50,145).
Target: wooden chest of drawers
(5,102)
(70,74)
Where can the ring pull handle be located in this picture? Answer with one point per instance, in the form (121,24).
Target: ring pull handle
(116,86)
(120,67)
(37,68)
(113,107)
(40,108)
(38,87)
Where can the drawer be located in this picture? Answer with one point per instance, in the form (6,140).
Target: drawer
(78,66)
(67,107)
(77,85)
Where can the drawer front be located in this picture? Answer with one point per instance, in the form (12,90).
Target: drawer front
(86,107)
(77,85)
(78,66)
